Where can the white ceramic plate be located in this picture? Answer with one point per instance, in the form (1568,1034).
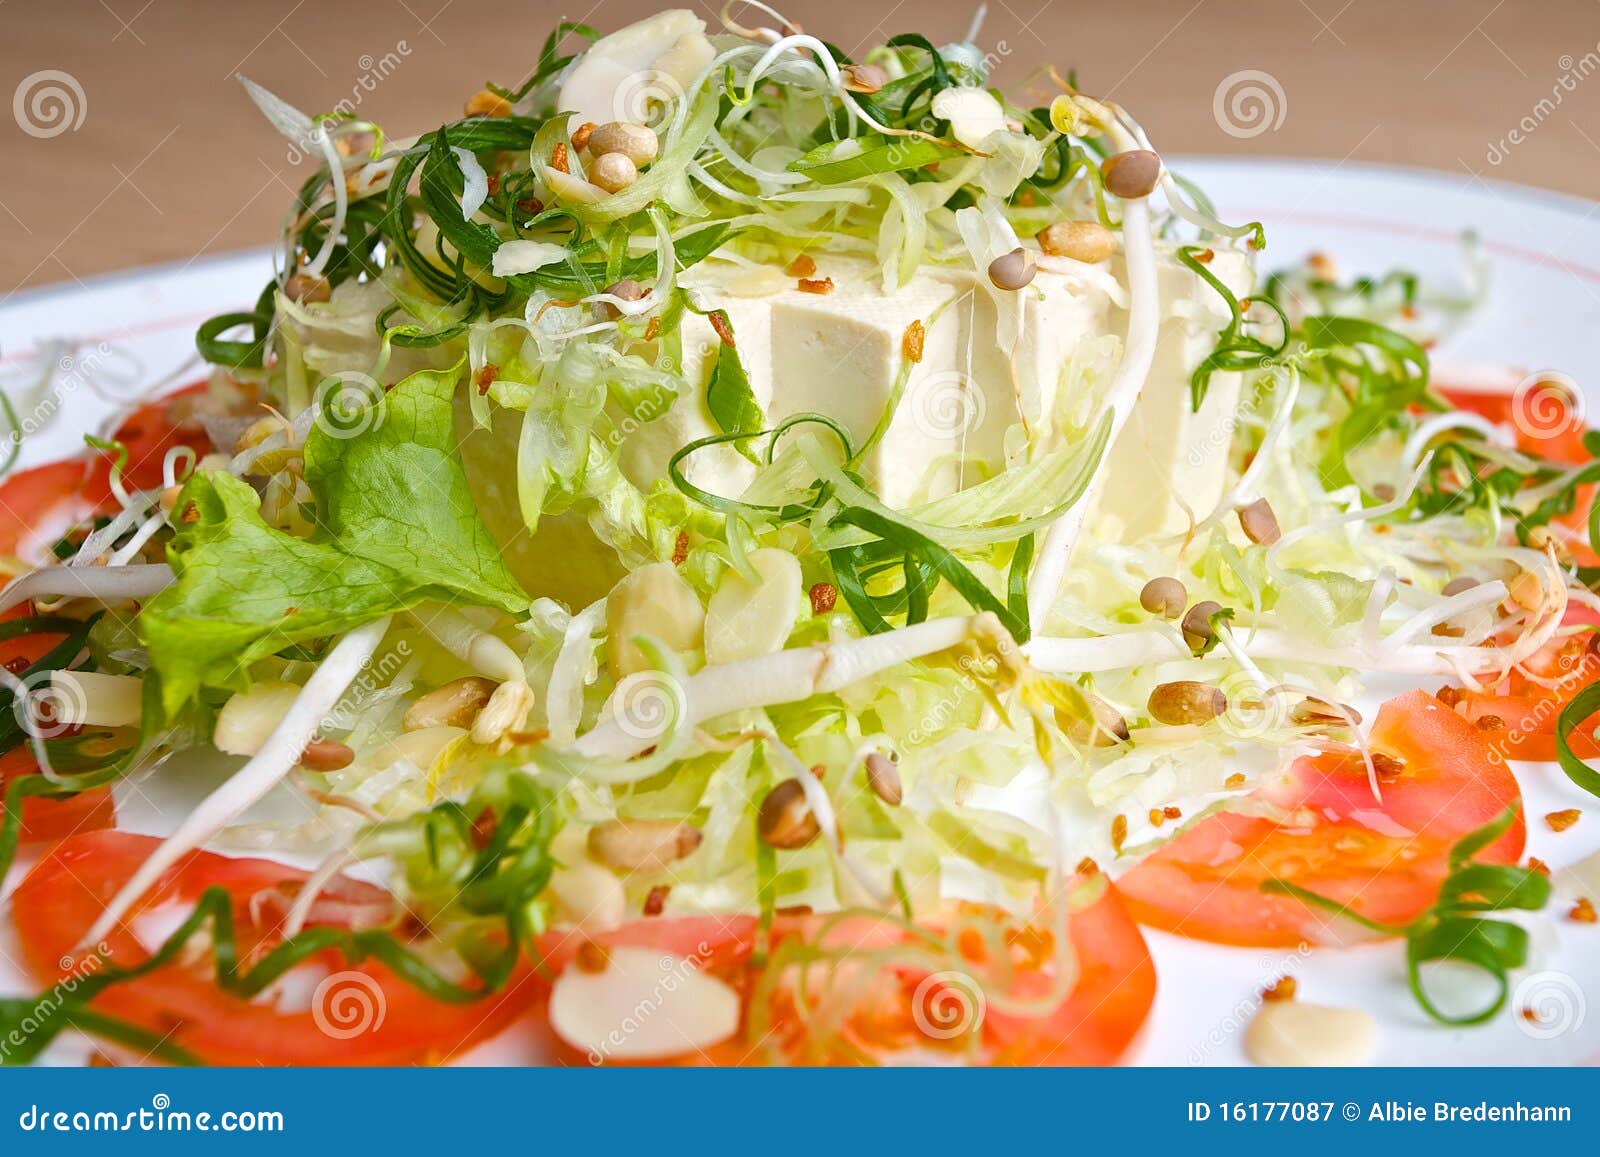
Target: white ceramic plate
(135,329)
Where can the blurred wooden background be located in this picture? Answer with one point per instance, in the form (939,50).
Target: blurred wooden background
(171,161)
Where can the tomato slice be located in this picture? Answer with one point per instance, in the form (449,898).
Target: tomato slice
(38,504)
(35,503)
(1544,427)
(45,819)
(1383,860)
(1549,428)
(358,1014)
(902,1012)
(148,433)
(1521,711)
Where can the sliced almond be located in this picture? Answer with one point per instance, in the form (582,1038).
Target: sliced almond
(745,619)
(654,600)
(418,748)
(589,897)
(1291,1033)
(249,717)
(643,1005)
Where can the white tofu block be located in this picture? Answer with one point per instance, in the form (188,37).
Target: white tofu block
(839,354)
(1169,455)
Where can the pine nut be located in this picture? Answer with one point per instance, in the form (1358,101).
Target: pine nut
(306,288)
(1260,525)
(867,78)
(455,704)
(618,138)
(642,845)
(1314,712)
(628,290)
(1197,631)
(326,755)
(505,711)
(1087,241)
(484,103)
(613,172)
(1526,590)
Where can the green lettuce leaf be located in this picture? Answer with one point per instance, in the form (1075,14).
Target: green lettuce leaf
(397,527)
(245,590)
(395,494)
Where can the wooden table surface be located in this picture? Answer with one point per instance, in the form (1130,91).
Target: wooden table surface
(162,158)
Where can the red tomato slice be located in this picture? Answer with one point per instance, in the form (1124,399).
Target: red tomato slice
(359,1014)
(148,433)
(1384,861)
(1522,710)
(1545,429)
(1093,1025)
(45,819)
(36,505)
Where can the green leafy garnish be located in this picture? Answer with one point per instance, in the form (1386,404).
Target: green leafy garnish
(729,397)
(1455,928)
(856,157)
(1584,705)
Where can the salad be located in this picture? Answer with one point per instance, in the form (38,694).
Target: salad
(744,554)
